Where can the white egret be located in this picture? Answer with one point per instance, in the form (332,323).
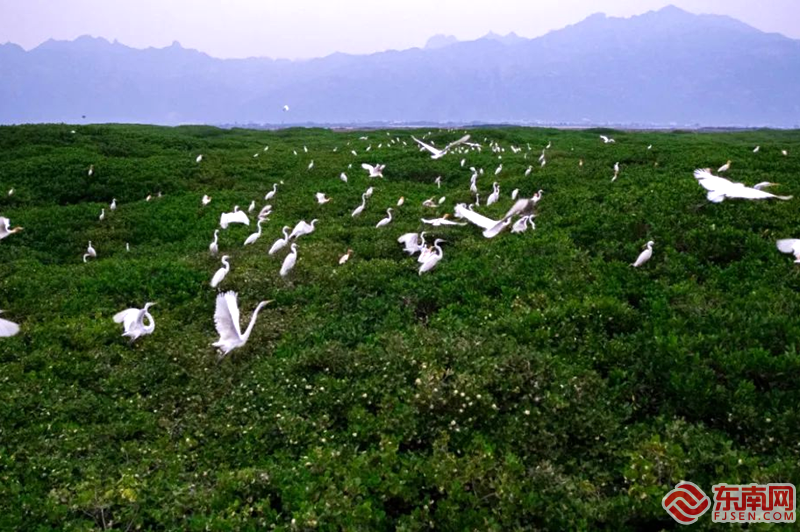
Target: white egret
(720,188)
(528,171)
(102,214)
(7,328)
(374,171)
(311,164)
(113,205)
(226,320)
(255,236)
(369,192)
(281,242)
(344,258)
(495,195)
(91,251)
(199,158)
(499,169)
(645,255)
(10,192)
(764,184)
(757,149)
(265,211)
(289,261)
(437,153)
(607,140)
(302,228)
(235,217)
(5,228)
(412,242)
(433,259)
(725,167)
(132,321)
(358,210)
(438,222)
(91,170)
(429,203)
(401,201)
(285,108)
(386,221)
(213,248)
(271,194)
(343,177)
(222,272)
(784,153)
(252,206)
(206,200)
(521,225)
(616,172)
(514,193)
(321,198)
(790,246)
(438,182)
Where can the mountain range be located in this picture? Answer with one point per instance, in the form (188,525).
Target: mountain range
(666,67)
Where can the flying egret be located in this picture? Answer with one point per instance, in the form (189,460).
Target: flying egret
(302,228)
(7,328)
(437,153)
(5,228)
(645,255)
(321,198)
(235,217)
(384,222)
(374,171)
(438,222)
(764,184)
(213,248)
(113,205)
(285,108)
(720,188)
(433,259)
(358,210)
(226,320)
(132,321)
(412,242)
(289,261)
(281,242)
(344,258)
(271,194)
(725,167)
(222,272)
(790,246)
(255,236)
(607,140)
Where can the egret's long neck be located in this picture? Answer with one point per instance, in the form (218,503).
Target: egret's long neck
(152,324)
(252,323)
(226,264)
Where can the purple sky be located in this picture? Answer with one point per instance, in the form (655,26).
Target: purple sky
(313,28)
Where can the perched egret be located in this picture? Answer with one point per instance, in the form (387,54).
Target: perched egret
(369,192)
(271,194)
(343,177)
(528,171)
(495,195)
(252,206)
(7,328)
(725,167)
(10,192)
(302,228)
(784,153)
(616,172)
(433,259)
(199,158)
(790,246)
(5,228)
(132,321)
(222,272)
(91,251)
(226,320)
(344,258)
(438,182)
(358,210)
(91,170)
(521,225)
(386,221)
(499,169)
(255,236)
(235,217)
(213,248)
(757,149)
(401,201)
(321,198)
(102,214)
(645,255)
(281,242)
(311,164)
(113,205)
(289,261)
(514,194)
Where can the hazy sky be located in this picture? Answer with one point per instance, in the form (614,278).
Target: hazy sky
(312,28)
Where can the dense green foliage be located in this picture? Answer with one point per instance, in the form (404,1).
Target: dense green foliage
(531,381)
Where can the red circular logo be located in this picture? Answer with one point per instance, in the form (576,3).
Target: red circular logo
(686,503)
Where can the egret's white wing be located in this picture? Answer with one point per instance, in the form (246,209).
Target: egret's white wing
(226,316)
(408,237)
(5,223)
(520,207)
(238,217)
(473,217)
(426,146)
(8,328)
(788,245)
(122,317)
(367,167)
(458,142)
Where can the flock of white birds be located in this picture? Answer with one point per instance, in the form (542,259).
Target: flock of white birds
(520,217)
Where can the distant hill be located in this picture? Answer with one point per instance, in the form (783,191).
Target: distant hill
(663,67)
